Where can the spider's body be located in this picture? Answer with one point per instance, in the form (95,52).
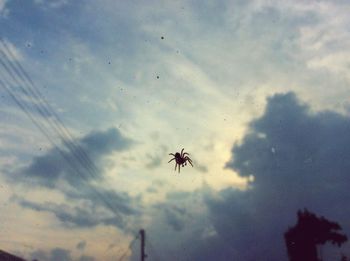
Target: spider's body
(180,159)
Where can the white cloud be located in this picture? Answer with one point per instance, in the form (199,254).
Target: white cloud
(326,45)
(11,51)
(3,10)
(52,3)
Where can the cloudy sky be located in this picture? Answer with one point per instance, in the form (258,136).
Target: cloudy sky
(96,94)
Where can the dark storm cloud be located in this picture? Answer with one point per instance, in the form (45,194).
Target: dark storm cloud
(72,166)
(298,159)
(100,143)
(48,170)
(291,149)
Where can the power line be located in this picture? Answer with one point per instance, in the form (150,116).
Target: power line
(128,248)
(41,111)
(43,107)
(45,113)
(63,154)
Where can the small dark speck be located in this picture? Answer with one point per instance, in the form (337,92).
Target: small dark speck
(157,76)
(70,59)
(39,148)
(28,45)
(162,37)
(41,51)
(109,62)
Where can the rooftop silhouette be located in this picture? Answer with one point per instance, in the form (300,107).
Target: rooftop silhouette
(9,257)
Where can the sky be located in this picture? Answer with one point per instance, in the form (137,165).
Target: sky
(96,94)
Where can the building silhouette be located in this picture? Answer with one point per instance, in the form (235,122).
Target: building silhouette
(4,256)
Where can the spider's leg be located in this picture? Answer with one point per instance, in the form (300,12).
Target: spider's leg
(171,160)
(185,153)
(179,168)
(189,160)
(172,154)
(175,166)
(181,152)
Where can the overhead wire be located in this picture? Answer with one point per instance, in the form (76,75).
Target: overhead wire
(39,109)
(132,242)
(43,107)
(63,154)
(33,93)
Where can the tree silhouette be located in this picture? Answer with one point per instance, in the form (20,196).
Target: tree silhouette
(344,258)
(310,231)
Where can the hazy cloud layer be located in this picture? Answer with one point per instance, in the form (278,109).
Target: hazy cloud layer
(51,170)
(78,217)
(155,157)
(298,159)
(58,254)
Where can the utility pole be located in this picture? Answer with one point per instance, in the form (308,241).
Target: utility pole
(143,239)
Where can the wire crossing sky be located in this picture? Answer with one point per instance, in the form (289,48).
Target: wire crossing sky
(58,127)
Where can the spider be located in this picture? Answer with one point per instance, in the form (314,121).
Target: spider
(181,159)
